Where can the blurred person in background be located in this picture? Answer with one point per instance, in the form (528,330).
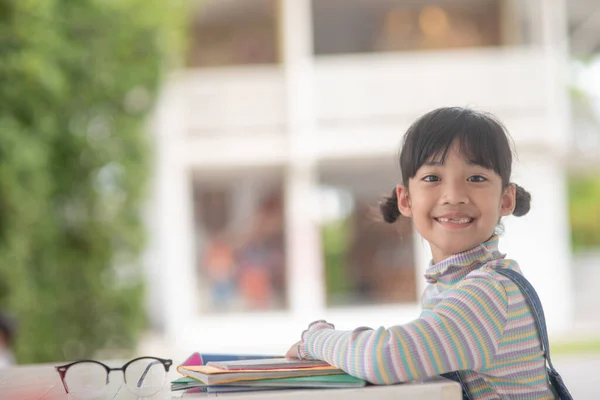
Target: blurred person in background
(221,271)
(260,257)
(7,335)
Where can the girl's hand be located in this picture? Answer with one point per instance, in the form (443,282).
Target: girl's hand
(297,350)
(293,351)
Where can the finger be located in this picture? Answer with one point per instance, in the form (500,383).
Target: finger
(292,352)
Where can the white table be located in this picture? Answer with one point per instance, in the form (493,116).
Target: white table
(41,382)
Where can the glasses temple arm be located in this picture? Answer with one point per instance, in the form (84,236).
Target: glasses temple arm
(141,380)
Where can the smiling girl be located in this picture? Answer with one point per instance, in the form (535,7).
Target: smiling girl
(456,168)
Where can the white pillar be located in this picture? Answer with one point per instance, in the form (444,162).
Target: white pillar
(306,288)
(540,241)
(555,45)
(555,42)
(174,232)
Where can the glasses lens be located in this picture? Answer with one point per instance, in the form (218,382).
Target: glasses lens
(86,380)
(145,376)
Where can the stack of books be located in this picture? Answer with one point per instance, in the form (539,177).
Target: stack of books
(239,373)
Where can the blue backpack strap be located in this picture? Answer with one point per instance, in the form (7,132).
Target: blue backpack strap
(455,376)
(534,303)
(538,313)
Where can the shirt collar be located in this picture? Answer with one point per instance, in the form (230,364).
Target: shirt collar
(459,265)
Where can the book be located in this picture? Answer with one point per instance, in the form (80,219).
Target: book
(191,385)
(320,381)
(323,381)
(204,358)
(184,383)
(248,373)
(197,358)
(212,376)
(266,363)
(215,376)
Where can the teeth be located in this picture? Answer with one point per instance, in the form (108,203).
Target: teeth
(456,221)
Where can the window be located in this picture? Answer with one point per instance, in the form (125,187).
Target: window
(367,261)
(364,26)
(239,220)
(233,33)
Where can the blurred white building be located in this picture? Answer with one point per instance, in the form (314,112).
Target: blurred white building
(284,129)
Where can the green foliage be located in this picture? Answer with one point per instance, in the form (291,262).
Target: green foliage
(584,205)
(579,346)
(78,79)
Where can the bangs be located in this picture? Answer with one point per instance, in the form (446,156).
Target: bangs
(481,139)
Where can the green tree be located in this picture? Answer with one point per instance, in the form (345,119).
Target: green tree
(77,80)
(584,210)
(584,181)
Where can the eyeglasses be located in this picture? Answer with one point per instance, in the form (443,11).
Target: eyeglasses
(86,379)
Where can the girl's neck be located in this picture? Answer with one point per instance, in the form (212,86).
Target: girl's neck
(438,255)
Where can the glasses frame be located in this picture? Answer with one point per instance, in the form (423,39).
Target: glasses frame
(62,369)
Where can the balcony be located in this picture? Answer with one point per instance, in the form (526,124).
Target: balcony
(402,86)
(372,98)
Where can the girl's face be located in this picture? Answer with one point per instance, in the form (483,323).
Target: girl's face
(455,205)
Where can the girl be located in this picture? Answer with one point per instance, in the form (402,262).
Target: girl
(456,168)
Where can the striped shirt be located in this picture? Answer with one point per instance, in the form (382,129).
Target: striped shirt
(473,320)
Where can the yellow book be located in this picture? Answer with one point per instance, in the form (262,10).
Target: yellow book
(212,375)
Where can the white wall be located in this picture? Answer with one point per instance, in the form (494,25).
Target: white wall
(540,240)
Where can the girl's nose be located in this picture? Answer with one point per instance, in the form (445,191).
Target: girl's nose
(455,193)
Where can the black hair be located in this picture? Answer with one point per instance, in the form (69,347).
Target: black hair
(481,138)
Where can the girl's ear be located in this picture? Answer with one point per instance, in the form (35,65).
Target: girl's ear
(508,201)
(403,201)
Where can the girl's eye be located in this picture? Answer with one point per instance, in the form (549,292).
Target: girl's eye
(431,178)
(476,178)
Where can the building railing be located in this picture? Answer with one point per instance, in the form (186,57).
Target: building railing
(373,90)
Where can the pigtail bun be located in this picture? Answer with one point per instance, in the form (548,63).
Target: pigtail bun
(389,208)
(522,201)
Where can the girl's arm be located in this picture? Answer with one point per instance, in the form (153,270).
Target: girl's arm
(462,332)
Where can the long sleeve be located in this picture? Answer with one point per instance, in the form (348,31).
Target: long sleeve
(462,332)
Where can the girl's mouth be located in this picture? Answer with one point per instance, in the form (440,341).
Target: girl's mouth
(455,223)
(455,220)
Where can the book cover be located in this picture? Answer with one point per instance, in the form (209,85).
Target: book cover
(195,386)
(204,358)
(321,381)
(266,364)
(324,381)
(213,376)
(197,358)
